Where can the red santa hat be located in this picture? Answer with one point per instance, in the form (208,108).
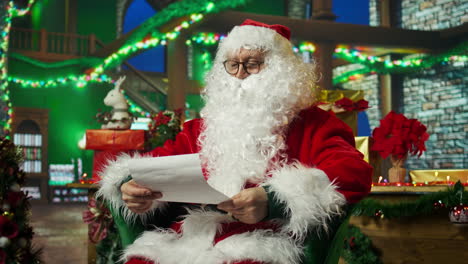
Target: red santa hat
(256,35)
(280,29)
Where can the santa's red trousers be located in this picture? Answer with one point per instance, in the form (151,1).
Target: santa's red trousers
(228,229)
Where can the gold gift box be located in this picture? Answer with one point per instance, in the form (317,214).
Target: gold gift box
(439,175)
(364,144)
(331,96)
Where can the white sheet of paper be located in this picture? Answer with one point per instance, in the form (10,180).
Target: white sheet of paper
(179,178)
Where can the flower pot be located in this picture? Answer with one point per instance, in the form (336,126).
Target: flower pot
(397,172)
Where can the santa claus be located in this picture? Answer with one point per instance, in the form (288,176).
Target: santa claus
(290,168)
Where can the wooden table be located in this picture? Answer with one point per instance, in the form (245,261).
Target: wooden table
(421,239)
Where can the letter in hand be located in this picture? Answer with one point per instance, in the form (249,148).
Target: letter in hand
(138,198)
(250,206)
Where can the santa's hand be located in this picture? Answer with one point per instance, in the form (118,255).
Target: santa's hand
(249,206)
(138,198)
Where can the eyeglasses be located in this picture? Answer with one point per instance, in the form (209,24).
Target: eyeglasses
(232,67)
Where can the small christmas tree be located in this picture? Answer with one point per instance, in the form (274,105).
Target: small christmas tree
(15,232)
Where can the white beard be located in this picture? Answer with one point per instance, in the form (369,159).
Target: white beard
(245,121)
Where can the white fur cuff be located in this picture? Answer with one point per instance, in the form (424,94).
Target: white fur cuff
(111,178)
(310,198)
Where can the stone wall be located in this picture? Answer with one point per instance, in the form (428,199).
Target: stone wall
(433,14)
(436,96)
(439,99)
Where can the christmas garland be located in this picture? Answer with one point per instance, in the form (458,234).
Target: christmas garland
(358,248)
(180,9)
(400,66)
(425,205)
(15,232)
(83,62)
(148,30)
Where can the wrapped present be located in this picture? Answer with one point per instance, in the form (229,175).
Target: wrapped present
(439,176)
(115,140)
(326,101)
(107,144)
(364,144)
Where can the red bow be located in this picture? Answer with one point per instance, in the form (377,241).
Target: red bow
(99,219)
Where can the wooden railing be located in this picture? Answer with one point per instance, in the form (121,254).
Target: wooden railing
(46,43)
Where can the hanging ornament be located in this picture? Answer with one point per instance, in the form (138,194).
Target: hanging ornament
(379,214)
(5,207)
(15,187)
(4,241)
(459,214)
(22,242)
(439,205)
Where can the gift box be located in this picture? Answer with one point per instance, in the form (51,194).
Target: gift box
(439,176)
(327,98)
(364,144)
(108,144)
(115,140)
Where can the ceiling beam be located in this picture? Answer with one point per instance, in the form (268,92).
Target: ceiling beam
(340,33)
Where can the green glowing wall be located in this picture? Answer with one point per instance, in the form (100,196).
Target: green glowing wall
(71,111)
(97,17)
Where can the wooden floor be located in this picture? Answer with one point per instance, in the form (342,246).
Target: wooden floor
(61,232)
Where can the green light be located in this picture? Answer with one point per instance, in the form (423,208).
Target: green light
(210,6)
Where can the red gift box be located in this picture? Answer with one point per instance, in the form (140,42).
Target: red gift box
(107,144)
(106,139)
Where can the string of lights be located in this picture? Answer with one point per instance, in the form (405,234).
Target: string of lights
(5,26)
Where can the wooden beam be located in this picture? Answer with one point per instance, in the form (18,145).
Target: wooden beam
(340,33)
(176,73)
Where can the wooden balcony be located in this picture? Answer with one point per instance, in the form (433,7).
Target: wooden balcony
(51,46)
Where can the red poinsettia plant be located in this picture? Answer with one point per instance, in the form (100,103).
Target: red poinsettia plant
(399,136)
(164,125)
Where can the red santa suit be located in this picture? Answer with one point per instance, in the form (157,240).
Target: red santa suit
(323,173)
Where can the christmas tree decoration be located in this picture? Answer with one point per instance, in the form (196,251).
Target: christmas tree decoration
(15,232)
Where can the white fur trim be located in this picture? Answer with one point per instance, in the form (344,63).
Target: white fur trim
(195,245)
(311,199)
(111,177)
(253,37)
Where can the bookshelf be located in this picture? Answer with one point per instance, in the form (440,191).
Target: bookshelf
(30,133)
